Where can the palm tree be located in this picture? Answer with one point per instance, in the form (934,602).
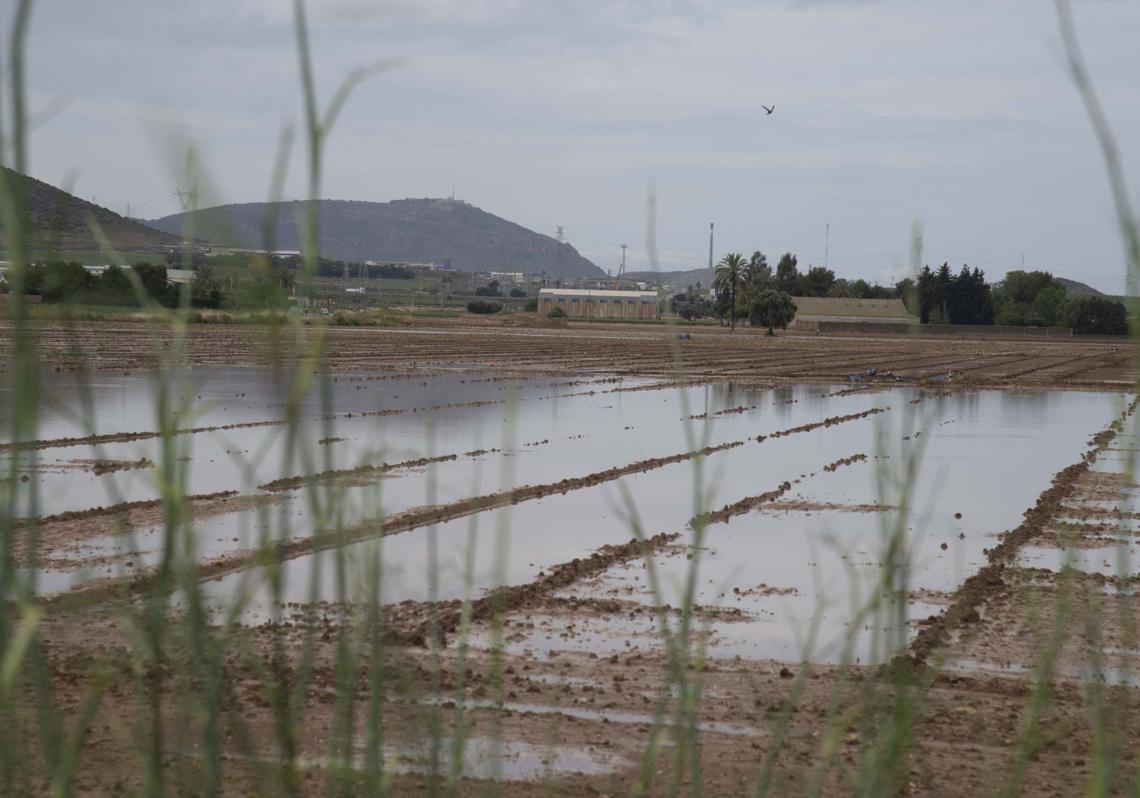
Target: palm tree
(729,273)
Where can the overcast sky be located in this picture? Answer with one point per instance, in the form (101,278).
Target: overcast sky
(958,113)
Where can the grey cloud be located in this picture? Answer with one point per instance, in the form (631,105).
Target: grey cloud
(564,113)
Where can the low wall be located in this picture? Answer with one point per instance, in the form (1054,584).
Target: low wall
(947,330)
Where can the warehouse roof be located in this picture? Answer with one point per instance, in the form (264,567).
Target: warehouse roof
(597,293)
(869,309)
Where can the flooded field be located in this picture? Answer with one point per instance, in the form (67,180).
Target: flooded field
(548,566)
(461,484)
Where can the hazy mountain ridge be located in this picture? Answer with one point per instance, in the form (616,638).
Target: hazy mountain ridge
(60,222)
(418,230)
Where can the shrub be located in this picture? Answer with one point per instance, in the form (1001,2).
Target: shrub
(531,305)
(63,282)
(688,311)
(557,313)
(518,293)
(480,306)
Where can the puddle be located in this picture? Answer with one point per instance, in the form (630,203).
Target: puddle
(487,758)
(1110,676)
(611,716)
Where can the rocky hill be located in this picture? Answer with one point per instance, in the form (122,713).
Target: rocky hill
(418,230)
(1074,287)
(60,223)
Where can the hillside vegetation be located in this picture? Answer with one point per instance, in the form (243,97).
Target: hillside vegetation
(417,230)
(61,222)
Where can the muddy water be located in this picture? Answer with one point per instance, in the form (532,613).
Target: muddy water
(983,455)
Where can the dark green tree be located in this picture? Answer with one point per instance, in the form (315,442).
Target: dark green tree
(1050,304)
(114,287)
(817,281)
(1097,315)
(843,289)
(757,276)
(205,289)
(787,273)
(65,282)
(906,289)
(153,279)
(772,309)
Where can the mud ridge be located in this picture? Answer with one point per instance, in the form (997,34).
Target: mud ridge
(124,437)
(101,467)
(399,522)
(410,628)
(743,506)
(129,437)
(121,507)
(989,582)
(843,461)
(292,483)
(827,422)
(808,506)
(725,412)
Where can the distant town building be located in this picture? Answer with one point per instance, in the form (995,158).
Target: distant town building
(413,266)
(277,253)
(600,303)
(513,278)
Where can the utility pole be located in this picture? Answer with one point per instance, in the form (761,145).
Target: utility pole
(826,243)
(621,269)
(710,244)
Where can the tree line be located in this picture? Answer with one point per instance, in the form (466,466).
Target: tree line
(934,296)
(58,282)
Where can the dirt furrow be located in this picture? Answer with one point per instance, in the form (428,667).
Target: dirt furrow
(990,581)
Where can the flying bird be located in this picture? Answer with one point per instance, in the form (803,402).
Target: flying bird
(769,109)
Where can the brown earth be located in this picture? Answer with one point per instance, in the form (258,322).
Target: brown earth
(966,727)
(969,665)
(612,350)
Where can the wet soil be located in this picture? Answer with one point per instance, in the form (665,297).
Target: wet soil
(613,349)
(970,663)
(990,581)
(965,729)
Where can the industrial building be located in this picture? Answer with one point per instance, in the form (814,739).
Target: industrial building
(600,304)
(823,312)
